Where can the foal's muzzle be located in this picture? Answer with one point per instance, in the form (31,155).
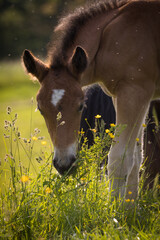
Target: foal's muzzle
(64,158)
(64,166)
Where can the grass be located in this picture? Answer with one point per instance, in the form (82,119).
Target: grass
(37,203)
(77,206)
(14,83)
(17,91)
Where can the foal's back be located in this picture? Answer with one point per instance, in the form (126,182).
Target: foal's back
(130,47)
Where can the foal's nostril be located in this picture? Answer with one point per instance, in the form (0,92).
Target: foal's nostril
(60,169)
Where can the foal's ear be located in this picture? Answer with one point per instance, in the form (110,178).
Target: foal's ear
(79,60)
(34,66)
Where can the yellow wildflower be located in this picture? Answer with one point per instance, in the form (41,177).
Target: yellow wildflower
(144,125)
(127,200)
(107,131)
(34,138)
(137,139)
(111,135)
(112,125)
(43,143)
(81,132)
(24,179)
(83,179)
(93,130)
(129,192)
(98,116)
(132,200)
(48,190)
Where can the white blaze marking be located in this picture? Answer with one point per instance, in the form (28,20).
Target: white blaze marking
(57,96)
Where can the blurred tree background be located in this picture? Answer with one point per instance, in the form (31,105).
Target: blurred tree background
(29,24)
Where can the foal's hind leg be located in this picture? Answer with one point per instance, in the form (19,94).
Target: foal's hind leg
(123,167)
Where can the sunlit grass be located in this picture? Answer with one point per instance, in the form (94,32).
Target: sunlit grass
(37,203)
(76,206)
(17,145)
(14,83)
(17,90)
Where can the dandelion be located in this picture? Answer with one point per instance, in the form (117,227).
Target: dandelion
(34,138)
(81,132)
(112,125)
(48,190)
(144,125)
(98,116)
(107,131)
(43,143)
(132,200)
(137,139)
(130,192)
(111,135)
(83,179)
(127,200)
(93,130)
(24,179)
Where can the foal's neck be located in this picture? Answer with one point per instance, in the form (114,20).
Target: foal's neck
(89,38)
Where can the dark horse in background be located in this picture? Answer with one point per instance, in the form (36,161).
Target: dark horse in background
(113,43)
(97,102)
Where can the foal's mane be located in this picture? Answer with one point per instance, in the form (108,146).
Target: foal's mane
(68,27)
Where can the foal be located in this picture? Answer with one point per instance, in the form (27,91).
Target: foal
(117,45)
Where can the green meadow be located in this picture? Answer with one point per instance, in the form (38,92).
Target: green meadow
(19,92)
(36,202)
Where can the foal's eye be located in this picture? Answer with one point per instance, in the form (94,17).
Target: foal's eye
(80,107)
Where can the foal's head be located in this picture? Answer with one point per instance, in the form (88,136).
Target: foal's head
(60,100)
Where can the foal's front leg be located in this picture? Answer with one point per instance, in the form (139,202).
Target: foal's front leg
(133,176)
(123,166)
